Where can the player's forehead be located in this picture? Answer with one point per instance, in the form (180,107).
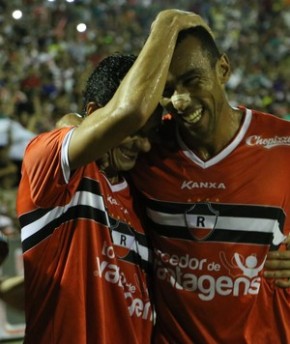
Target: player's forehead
(189,56)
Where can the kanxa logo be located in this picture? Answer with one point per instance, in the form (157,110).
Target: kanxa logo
(201,220)
(191,185)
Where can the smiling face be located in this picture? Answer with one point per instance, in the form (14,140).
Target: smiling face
(124,157)
(194,93)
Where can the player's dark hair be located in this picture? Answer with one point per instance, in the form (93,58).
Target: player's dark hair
(207,42)
(106,78)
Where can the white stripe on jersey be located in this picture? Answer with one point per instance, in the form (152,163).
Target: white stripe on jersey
(80,198)
(223,222)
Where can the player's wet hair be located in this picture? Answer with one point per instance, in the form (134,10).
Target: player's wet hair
(207,42)
(106,78)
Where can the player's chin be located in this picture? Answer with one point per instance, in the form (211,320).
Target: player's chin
(127,165)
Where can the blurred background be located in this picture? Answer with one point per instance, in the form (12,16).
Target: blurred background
(48,48)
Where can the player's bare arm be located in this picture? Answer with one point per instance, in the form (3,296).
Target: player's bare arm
(68,120)
(138,94)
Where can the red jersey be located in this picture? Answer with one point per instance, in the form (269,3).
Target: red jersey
(212,224)
(85,252)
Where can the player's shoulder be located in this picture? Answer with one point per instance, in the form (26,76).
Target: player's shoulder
(267,116)
(47,139)
(271,121)
(53,134)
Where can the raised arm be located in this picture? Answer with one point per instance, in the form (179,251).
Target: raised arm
(138,94)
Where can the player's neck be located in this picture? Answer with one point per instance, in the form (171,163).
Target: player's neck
(112,175)
(110,172)
(209,146)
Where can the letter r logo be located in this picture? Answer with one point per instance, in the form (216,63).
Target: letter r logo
(201,220)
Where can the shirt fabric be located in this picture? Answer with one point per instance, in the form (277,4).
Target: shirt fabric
(211,225)
(85,253)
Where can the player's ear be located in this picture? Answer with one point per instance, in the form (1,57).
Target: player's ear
(223,69)
(91,107)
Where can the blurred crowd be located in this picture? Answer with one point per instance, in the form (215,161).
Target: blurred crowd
(45,61)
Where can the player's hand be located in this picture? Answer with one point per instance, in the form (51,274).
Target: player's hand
(277,266)
(182,19)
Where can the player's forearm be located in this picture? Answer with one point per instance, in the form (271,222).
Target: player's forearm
(144,83)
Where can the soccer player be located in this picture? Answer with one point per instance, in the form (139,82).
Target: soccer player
(217,197)
(85,252)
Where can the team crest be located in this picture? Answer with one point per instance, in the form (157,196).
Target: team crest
(201,220)
(123,238)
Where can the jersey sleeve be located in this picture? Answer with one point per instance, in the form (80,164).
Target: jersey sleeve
(42,166)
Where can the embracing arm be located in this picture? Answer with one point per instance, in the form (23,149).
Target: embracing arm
(138,94)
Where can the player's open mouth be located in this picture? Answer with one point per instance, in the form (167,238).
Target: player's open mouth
(127,154)
(193,117)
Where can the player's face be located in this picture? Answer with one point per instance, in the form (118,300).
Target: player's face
(125,155)
(194,92)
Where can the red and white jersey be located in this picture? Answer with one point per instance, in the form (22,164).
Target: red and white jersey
(85,252)
(212,224)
